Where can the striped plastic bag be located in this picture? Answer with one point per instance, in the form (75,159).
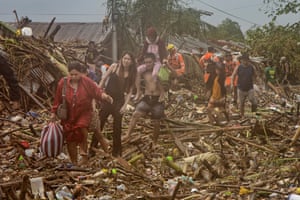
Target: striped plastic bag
(52,139)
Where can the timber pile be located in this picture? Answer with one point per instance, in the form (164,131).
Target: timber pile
(245,159)
(38,66)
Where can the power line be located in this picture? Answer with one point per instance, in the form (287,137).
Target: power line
(227,13)
(247,6)
(61,14)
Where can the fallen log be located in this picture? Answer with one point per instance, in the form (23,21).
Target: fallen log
(238,187)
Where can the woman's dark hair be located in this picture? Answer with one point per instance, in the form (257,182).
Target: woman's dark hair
(132,70)
(77,66)
(222,77)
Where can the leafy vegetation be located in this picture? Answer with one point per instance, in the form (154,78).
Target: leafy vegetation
(227,30)
(281,7)
(274,42)
(173,16)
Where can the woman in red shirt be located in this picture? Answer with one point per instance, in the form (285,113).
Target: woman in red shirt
(80,91)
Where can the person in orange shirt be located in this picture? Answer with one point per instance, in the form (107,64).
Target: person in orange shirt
(176,63)
(175,60)
(205,60)
(230,65)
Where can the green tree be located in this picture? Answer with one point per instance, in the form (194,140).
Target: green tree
(227,30)
(281,7)
(273,42)
(230,30)
(171,16)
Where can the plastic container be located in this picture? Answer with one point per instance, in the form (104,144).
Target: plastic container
(37,187)
(26,31)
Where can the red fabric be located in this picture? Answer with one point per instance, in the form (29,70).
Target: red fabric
(79,105)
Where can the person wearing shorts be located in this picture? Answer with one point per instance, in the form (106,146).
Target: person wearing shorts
(152,101)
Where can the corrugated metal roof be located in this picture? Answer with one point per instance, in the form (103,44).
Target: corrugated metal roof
(70,31)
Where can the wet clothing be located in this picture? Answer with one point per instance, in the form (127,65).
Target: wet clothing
(210,75)
(150,104)
(216,90)
(242,95)
(79,105)
(8,74)
(245,80)
(115,87)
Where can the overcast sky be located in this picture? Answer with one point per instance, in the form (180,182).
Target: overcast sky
(246,13)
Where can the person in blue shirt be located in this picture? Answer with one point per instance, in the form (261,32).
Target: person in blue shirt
(246,73)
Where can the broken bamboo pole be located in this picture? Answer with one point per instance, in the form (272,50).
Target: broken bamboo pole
(252,144)
(32,97)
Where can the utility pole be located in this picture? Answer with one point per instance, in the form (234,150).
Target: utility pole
(114,19)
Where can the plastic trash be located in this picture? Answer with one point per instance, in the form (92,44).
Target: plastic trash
(26,31)
(171,186)
(50,195)
(37,187)
(21,162)
(29,152)
(32,114)
(121,187)
(63,193)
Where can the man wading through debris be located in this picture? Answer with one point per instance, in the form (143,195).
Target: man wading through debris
(152,101)
(246,74)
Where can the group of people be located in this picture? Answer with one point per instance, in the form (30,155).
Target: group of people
(113,92)
(223,75)
(139,76)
